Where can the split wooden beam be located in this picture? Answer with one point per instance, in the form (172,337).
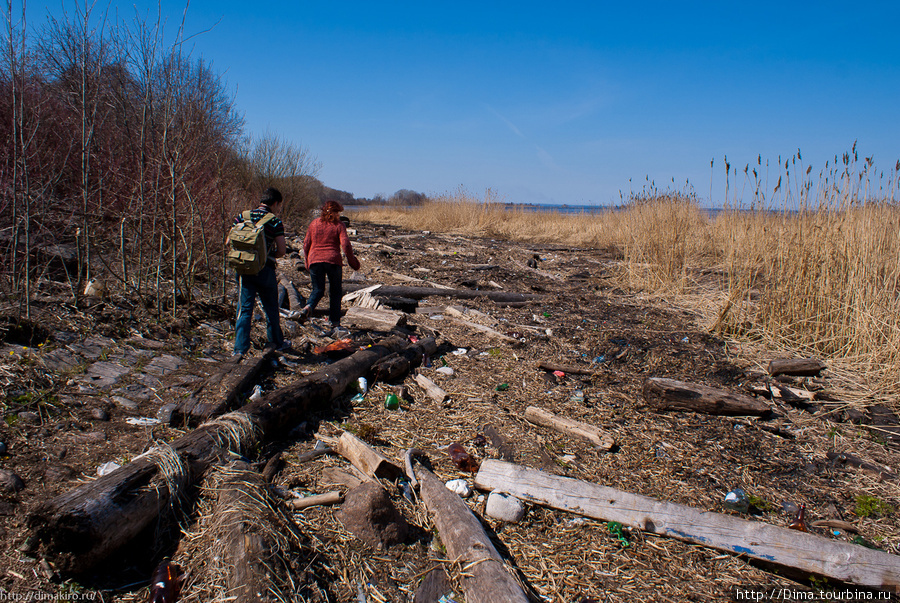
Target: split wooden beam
(81,527)
(362,456)
(591,433)
(668,394)
(485,578)
(809,553)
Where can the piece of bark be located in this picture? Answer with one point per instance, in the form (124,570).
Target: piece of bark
(272,467)
(81,527)
(399,364)
(800,367)
(296,300)
(332,476)
(328,498)
(365,458)
(422,292)
(376,320)
(566,368)
(431,388)
(484,577)
(671,395)
(433,586)
(806,552)
(835,524)
(592,434)
(843,457)
(505,448)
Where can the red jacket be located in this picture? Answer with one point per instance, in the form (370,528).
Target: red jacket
(324,242)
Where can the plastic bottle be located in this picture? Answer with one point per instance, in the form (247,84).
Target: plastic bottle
(799,522)
(166,583)
(392,402)
(462,459)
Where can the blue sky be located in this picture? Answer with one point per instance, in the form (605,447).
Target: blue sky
(565,102)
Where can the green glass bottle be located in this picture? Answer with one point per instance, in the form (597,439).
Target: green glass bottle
(392,402)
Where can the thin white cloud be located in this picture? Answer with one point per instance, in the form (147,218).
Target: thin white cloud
(508,123)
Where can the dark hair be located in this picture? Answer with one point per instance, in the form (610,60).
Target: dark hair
(271,196)
(330,211)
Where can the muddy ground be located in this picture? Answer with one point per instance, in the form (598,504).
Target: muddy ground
(79,380)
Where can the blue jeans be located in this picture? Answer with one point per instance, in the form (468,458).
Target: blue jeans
(264,284)
(317,274)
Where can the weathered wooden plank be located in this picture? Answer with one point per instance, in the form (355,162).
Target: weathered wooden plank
(806,552)
(485,579)
(591,433)
(376,319)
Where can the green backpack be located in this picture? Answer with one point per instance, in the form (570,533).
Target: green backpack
(247,252)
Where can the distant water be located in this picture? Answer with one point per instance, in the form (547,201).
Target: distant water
(565,209)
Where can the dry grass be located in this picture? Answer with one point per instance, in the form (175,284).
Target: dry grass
(820,282)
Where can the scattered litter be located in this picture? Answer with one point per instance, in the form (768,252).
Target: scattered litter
(142,421)
(107,468)
(559,374)
(460,486)
(257,393)
(459,352)
(445,370)
(737,500)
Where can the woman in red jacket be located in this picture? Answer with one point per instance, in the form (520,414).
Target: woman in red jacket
(325,239)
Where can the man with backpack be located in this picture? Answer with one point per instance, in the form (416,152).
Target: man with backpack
(254,261)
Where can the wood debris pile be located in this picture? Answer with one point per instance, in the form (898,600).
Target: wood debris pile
(617,425)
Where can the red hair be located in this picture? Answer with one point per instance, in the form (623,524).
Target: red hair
(331,211)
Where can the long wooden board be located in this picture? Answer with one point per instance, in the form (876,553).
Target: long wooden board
(817,555)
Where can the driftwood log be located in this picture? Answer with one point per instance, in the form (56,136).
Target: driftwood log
(566,368)
(221,391)
(668,394)
(422,292)
(431,388)
(399,364)
(485,579)
(246,521)
(806,552)
(81,527)
(799,367)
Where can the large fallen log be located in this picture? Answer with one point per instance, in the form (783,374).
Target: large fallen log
(485,578)
(850,563)
(422,292)
(81,527)
(668,394)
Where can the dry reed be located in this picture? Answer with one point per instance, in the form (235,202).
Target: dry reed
(822,280)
